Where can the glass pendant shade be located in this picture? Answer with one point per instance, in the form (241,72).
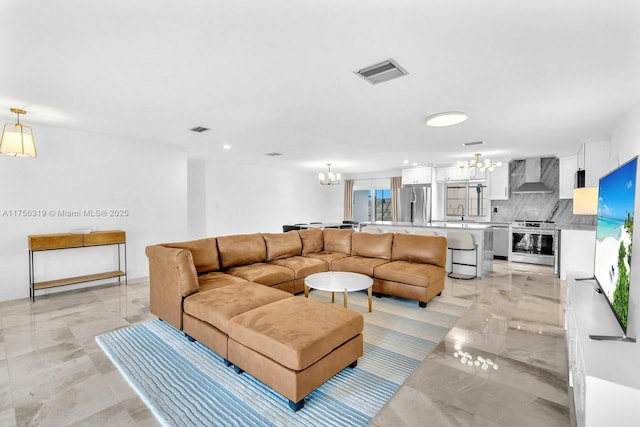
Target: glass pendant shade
(330,178)
(479,164)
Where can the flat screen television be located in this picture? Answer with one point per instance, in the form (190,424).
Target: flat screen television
(614,237)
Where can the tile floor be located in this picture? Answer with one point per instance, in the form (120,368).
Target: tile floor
(52,372)
(517,321)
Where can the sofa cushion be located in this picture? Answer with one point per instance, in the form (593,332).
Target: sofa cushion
(296,332)
(241,249)
(312,240)
(337,240)
(357,264)
(372,245)
(265,274)
(420,249)
(327,257)
(217,306)
(203,251)
(410,273)
(282,245)
(217,279)
(174,266)
(303,266)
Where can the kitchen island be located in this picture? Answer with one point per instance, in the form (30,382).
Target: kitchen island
(482,236)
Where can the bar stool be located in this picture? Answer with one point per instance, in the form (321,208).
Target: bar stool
(461,241)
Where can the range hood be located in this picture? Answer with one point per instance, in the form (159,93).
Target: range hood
(532,182)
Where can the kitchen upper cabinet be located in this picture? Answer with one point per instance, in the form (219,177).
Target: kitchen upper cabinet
(454,173)
(420,175)
(593,157)
(499,183)
(568,169)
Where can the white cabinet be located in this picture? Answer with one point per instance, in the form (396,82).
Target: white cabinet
(603,374)
(568,169)
(499,183)
(454,173)
(421,175)
(593,157)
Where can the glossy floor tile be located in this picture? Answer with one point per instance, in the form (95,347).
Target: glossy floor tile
(52,372)
(512,343)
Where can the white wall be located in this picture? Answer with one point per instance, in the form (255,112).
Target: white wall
(625,144)
(197,198)
(78,171)
(249,199)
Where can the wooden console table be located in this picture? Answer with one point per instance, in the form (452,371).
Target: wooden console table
(46,242)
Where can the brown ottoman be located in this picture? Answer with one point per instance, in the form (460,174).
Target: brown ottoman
(295,345)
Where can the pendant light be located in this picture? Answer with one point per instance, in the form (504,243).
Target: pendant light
(17,139)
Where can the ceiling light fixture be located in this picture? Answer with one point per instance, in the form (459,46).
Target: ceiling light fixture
(449,118)
(19,141)
(485,164)
(330,178)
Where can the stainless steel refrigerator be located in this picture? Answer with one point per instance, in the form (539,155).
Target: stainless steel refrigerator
(415,204)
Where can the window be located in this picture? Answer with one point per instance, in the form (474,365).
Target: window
(466,199)
(382,205)
(372,204)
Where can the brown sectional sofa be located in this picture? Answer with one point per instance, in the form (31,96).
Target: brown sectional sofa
(234,294)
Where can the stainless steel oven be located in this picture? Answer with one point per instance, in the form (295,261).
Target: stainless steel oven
(533,242)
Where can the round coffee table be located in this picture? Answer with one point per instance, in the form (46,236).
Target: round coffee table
(339,281)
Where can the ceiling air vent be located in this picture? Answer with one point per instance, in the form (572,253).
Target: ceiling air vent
(468,144)
(199,129)
(274,154)
(381,72)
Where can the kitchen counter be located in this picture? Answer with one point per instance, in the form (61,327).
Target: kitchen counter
(575,227)
(433,224)
(482,235)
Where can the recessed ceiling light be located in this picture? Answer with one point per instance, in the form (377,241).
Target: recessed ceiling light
(449,118)
(405,161)
(226,147)
(415,164)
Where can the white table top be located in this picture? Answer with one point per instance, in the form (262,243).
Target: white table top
(338,281)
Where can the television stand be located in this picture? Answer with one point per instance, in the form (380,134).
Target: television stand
(602,372)
(623,338)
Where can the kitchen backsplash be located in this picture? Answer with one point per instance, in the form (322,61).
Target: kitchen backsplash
(541,207)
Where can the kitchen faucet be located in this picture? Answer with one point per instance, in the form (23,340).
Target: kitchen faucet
(460,208)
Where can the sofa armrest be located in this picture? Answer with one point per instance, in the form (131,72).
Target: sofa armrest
(172,276)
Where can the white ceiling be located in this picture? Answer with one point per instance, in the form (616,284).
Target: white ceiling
(535,77)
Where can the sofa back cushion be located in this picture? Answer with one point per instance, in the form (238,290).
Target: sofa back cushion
(204,253)
(241,249)
(422,249)
(312,240)
(282,245)
(337,240)
(372,245)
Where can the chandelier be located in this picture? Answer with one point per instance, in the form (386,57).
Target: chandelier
(485,164)
(330,178)
(17,139)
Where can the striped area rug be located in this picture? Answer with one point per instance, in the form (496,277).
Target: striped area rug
(186,384)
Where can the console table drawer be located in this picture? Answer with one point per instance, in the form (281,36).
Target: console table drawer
(103,238)
(43,242)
